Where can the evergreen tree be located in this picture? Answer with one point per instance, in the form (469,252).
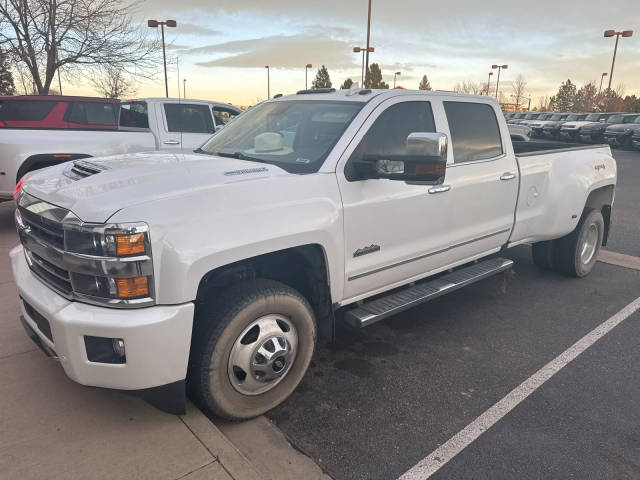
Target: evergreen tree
(322,79)
(585,99)
(565,98)
(424,83)
(6,77)
(347,84)
(374,77)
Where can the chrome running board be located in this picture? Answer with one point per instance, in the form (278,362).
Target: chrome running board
(382,307)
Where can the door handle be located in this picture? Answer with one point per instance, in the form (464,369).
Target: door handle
(440,189)
(171,142)
(507,176)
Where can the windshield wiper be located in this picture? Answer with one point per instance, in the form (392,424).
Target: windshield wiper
(240,156)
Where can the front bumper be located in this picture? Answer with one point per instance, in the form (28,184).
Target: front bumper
(157,339)
(569,134)
(616,139)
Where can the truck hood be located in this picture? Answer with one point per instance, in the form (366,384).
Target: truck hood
(623,127)
(124,180)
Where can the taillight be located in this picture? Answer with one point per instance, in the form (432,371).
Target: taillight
(16,190)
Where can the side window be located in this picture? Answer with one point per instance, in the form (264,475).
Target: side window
(92,113)
(388,134)
(134,115)
(475,134)
(222,115)
(25,110)
(188,118)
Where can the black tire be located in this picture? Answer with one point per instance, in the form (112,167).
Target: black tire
(542,253)
(568,250)
(218,327)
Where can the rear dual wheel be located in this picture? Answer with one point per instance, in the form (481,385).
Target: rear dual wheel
(574,254)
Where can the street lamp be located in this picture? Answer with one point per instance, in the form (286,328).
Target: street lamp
(611,33)
(604,74)
(306,69)
(363,50)
(499,67)
(394,78)
(184,88)
(168,23)
(489,82)
(268,83)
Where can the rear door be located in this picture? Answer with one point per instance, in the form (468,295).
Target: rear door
(483,179)
(185,126)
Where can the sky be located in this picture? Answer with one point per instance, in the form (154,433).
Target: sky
(223,46)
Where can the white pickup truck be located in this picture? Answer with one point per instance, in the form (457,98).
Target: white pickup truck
(215,271)
(144,124)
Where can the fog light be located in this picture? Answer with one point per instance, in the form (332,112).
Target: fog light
(118,346)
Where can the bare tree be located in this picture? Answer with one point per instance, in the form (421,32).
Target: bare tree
(544,104)
(519,86)
(47,35)
(113,82)
(468,87)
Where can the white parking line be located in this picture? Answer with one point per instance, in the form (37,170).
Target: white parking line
(443,454)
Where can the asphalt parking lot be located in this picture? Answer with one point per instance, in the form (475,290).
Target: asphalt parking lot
(381,399)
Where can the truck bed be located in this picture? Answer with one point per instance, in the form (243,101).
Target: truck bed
(534,147)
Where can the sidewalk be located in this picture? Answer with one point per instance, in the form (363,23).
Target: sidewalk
(54,428)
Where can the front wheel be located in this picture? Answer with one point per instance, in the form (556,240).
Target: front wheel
(251,348)
(577,253)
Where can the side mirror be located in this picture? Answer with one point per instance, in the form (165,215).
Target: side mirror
(423,161)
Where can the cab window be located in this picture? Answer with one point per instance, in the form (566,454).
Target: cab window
(475,134)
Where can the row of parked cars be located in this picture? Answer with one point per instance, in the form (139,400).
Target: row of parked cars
(620,130)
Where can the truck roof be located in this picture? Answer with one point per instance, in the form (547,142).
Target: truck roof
(365,94)
(174,99)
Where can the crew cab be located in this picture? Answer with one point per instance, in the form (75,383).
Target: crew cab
(217,270)
(621,134)
(594,133)
(37,132)
(570,130)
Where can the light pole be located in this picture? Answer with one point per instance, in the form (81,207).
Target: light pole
(499,67)
(604,74)
(489,82)
(611,33)
(394,78)
(363,50)
(268,83)
(184,88)
(168,23)
(306,69)
(366,66)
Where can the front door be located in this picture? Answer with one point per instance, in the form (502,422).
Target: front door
(394,232)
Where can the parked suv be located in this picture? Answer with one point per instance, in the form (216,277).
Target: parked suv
(571,130)
(82,113)
(621,134)
(594,133)
(537,125)
(551,128)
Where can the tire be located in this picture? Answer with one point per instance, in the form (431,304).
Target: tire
(542,253)
(226,344)
(577,253)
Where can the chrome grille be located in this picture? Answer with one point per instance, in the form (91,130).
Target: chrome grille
(56,277)
(47,230)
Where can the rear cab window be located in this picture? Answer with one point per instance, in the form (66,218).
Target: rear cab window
(134,115)
(188,118)
(475,132)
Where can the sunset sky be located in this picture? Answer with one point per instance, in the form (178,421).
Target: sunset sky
(223,46)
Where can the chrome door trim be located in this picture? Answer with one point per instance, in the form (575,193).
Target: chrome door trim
(425,255)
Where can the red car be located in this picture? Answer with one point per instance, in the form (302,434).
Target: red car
(83,113)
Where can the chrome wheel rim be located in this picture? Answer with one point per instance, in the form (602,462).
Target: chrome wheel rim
(590,244)
(262,355)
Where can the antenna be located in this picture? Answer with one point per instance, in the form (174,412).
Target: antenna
(178,66)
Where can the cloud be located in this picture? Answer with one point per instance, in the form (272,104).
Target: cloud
(279,51)
(193,29)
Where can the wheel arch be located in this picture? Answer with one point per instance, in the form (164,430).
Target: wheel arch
(304,268)
(602,199)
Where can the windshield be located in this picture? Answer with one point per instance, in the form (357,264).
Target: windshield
(636,120)
(593,117)
(555,118)
(616,119)
(531,116)
(545,116)
(294,135)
